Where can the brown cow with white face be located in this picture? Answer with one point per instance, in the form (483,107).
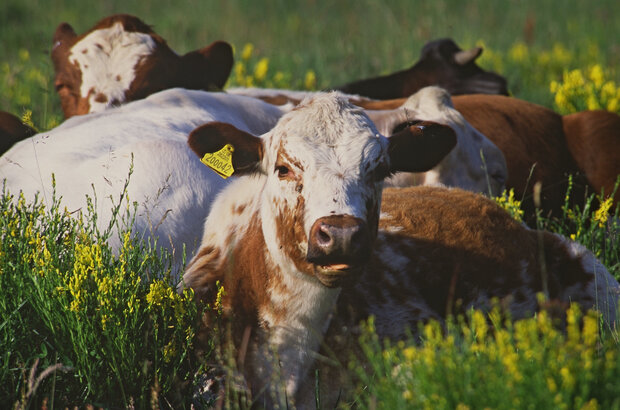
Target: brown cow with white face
(122,59)
(299,249)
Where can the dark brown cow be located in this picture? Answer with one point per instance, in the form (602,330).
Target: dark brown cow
(122,59)
(12,130)
(441,63)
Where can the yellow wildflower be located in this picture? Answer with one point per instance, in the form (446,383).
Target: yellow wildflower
(596,75)
(260,70)
(248,49)
(602,213)
(519,51)
(310,80)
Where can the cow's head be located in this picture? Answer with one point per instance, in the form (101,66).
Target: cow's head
(324,165)
(122,59)
(475,164)
(456,70)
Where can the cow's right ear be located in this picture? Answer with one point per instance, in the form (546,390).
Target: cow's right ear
(212,137)
(420,147)
(210,66)
(64,34)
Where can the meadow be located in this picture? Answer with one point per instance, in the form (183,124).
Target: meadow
(82,326)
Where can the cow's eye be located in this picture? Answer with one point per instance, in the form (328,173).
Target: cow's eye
(283,171)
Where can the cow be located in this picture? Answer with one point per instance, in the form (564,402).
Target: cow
(92,155)
(441,63)
(304,247)
(540,145)
(122,59)
(12,130)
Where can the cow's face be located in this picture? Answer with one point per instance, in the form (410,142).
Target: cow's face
(121,59)
(325,163)
(456,70)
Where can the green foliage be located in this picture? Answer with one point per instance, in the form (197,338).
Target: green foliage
(506,365)
(112,323)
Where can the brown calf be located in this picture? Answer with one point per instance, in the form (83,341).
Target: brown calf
(122,59)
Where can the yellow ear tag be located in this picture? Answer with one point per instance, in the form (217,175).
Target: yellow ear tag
(220,161)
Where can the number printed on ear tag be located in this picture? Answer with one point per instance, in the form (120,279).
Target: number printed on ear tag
(220,161)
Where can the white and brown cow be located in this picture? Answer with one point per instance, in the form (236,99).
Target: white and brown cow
(302,256)
(92,155)
(122,59)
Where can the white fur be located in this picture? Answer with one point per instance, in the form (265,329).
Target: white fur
(107,59)
(168,181)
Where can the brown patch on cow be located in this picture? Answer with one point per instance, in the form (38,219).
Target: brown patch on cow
(283,156)
(290,232)
(118,77)
(85,51)
(279,99)
(101,98)
(238,210)
(378,104)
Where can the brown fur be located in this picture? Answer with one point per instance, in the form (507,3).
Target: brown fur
(12,130)
(593,138)
(531,138)
(205,69)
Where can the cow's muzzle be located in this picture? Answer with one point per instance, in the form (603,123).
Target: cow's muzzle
(338,246)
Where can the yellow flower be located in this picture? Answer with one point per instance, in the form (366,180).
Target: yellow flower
(519,51)
(310,80)
(24,55)
(260,70)
(602,213)
(597,76)
(248,49)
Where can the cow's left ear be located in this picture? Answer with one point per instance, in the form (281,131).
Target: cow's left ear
(420,147)
(247,150)
(210,66)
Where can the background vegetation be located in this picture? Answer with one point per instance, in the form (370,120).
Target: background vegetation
(340,41)
(79,325)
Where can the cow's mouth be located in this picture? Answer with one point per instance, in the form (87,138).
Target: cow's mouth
(336,274)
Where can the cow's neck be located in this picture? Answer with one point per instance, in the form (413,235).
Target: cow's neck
(299,310)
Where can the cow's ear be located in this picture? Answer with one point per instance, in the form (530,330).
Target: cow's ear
(210,138)
(209,66)
(420,147)
(64,34)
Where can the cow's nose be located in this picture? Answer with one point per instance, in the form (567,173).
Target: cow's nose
(338,239)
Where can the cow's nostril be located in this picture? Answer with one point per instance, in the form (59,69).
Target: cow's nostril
(323,236)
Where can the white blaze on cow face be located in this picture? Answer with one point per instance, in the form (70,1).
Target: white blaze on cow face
(323,160)
(107,59)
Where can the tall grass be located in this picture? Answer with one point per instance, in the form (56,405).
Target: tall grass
(92,325)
